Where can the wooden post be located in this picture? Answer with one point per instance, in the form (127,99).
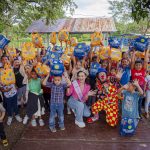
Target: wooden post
(47,39)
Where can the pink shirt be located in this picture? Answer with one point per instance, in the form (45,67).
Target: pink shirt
(84,92)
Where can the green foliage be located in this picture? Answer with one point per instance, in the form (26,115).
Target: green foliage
(127,16)
(140,10)
(24,12)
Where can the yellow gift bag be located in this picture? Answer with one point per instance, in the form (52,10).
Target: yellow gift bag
(42,70)
(63,36)
(65,59)
(96,39)
(140,54)
(53,38)
(28,51)
(69,51)
(116,54)
(11,51)
(7,75)
(73,41)
(104,53)
(37,40)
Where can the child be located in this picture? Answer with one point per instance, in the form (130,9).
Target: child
(2,132)
(138,72)
(57,101)
(10,96)
(130,113)
(35,103)
(131,98)
(147,94)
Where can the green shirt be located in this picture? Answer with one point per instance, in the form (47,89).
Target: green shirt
(35,86)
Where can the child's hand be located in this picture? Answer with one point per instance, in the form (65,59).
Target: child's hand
(136,83)
(119,74)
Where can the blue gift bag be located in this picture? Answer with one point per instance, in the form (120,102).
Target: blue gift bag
(80,50)
(114,42)
(141,43)
(57,68)
(128,126)
(94,69)
(3,41)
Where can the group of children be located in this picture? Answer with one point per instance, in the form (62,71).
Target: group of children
(86,91)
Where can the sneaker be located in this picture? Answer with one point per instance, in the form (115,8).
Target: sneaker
(5,142)
(53,129)
(62,128)
(18,118)
(146,115)
(80,124)
(41,122)
(69,111)
(92,119)
(33,123)
(25,120)
(9,121)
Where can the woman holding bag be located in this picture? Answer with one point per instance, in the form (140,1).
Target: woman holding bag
(79,92)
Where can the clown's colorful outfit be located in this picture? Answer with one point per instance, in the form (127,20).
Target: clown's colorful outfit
(107,97)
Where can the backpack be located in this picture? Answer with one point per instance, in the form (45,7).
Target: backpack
(128,126)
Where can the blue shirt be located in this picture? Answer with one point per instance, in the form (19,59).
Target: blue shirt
(57,92)
(130,104)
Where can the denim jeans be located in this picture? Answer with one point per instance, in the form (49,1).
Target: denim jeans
(80,108)
(59,109)
(11,104)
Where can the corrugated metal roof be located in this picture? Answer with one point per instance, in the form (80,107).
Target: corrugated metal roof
(74,25)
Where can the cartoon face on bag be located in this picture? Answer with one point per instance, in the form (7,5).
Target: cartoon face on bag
(128,104)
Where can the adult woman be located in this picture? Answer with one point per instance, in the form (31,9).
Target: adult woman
(79,91)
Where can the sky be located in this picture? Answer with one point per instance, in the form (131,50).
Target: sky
(91,8)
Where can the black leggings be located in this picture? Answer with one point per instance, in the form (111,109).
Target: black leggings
(2,132)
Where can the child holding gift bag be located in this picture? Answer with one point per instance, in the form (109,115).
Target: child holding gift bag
(57,100)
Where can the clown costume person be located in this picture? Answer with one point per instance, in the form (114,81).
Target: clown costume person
(107,100)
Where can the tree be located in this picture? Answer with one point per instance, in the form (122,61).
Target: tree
(127,16)
(24,12)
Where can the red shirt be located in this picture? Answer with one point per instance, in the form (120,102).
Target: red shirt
(139,75)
